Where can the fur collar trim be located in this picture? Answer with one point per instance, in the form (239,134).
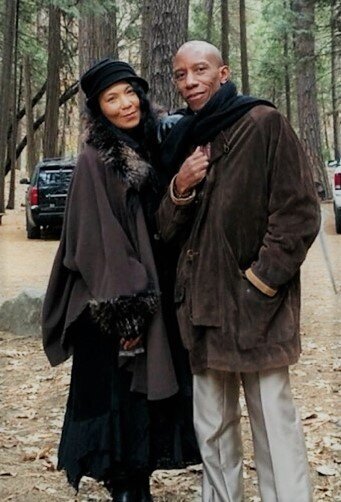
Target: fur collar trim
(115,153)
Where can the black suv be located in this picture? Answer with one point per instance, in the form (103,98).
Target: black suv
(46,195)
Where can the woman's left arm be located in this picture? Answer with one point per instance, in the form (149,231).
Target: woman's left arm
(119,288)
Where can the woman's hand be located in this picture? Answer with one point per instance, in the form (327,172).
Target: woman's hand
(130,344)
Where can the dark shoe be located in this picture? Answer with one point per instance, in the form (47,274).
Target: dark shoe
(145,491)
(129,495)
(146,497)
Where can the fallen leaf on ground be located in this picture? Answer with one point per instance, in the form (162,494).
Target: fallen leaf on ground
(5,474)
(327,470)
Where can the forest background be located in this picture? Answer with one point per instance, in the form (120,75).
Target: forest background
(287,51)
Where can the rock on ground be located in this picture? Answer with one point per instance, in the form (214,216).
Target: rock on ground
(21,315)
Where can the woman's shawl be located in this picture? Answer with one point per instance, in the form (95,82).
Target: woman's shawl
(104,265)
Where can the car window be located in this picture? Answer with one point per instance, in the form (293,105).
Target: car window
(53,177)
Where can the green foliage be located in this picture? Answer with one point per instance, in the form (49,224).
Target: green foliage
(198,29)
(75,8)
(323,68)
(128,25)
(267,66)
(268,23)
(32,42)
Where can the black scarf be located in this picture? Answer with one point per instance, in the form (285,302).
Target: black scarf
(220,112)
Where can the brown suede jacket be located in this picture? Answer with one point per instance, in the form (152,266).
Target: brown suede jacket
(244,238)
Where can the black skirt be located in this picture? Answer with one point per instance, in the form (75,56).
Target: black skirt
(112,433)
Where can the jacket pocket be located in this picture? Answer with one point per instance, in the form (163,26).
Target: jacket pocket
(263,320)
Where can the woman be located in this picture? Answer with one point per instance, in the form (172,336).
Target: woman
(103,302)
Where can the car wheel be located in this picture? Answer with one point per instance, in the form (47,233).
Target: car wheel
(338,221)
(32,231)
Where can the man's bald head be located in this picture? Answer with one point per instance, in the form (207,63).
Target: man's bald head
(198,71)
(196,46)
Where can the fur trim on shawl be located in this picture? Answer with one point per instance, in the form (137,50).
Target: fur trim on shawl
(126,316)
(112,151)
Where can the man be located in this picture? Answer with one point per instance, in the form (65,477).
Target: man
(243,207)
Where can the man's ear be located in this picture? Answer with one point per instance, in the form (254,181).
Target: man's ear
(224,74)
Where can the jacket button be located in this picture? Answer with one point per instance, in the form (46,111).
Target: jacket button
(226,148)
(191,254)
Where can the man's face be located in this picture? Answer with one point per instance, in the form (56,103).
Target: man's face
(197,76)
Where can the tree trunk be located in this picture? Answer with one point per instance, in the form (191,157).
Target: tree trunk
(243,48)
(68,94)
(97,36)
(325,125)
(225,31)
(209,9)
(145,35)
(168,31)
(15,105)
(106,32)
(31,152)
(50,143)
(36,98)
(97,39)
(12,148)
(287,83)
(62,145)
(335,74)
(5,87)
(308,116)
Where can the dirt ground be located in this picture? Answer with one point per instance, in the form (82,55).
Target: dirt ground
(33,395)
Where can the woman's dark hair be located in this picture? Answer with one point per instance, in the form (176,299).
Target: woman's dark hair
(148,122)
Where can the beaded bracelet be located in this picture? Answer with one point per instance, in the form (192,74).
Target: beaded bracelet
(180,199)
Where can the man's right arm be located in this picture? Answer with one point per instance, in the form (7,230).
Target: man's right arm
(174,220)
(178,205)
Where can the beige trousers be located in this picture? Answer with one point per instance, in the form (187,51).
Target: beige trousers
(279,447)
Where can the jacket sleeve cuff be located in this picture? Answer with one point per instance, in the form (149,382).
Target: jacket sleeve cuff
(259,284)
(180,201)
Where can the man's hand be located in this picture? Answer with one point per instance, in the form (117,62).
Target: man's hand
(192,171)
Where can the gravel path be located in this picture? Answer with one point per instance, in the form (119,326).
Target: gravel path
(32,395)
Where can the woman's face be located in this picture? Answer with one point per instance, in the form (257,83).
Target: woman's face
(120,104)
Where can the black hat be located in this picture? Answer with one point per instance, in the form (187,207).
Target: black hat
(105,73)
